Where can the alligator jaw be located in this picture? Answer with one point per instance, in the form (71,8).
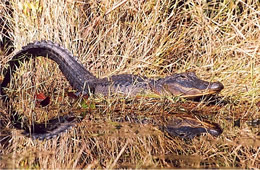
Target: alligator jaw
(186,85)
(207,92)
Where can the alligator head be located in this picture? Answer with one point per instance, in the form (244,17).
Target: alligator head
(186,85)
(185,126)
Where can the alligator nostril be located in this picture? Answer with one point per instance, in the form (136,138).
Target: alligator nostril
(217,86)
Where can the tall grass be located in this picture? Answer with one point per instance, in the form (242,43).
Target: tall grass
(217,39)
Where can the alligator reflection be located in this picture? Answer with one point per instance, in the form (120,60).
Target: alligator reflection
(174,123)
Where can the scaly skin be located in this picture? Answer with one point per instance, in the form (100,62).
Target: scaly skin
(184,84)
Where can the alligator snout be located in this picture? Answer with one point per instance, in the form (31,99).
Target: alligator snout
(216,86)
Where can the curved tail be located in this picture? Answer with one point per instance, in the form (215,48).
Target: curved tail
(75,73)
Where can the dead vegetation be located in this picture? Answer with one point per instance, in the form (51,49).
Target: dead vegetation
(217,39)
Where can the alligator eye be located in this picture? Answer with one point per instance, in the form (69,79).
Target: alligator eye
(182,77)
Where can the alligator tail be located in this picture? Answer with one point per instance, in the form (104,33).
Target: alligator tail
(74,72)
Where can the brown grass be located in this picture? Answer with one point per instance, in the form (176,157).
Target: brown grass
(219,40)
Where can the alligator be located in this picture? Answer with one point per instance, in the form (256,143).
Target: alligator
(186,85)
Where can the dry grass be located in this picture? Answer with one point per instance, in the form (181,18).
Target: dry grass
(219,40)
